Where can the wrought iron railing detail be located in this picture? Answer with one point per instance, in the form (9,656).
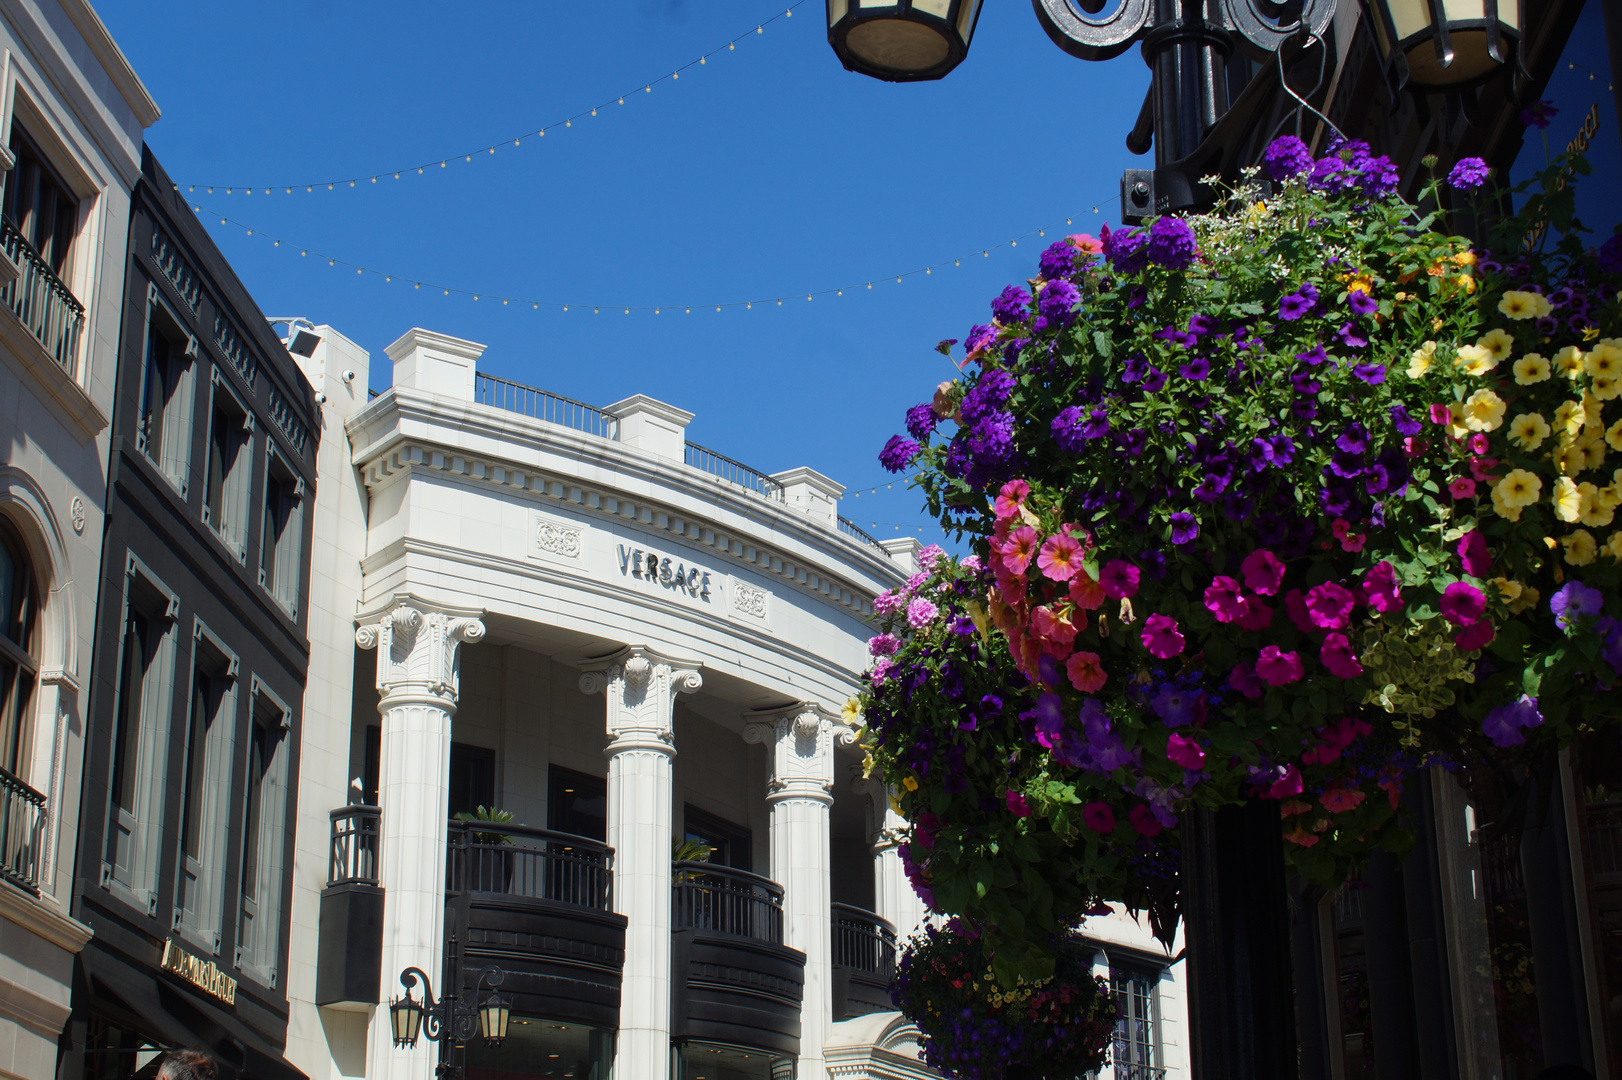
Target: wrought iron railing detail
(22,819)
(863,941)
(732,472)
(41,300)
(352,858)
(1131,1070)
(542,405)
(1603,823)
(855,532)
(530,863)
(721,900)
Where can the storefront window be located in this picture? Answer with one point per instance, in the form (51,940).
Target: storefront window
(718,1061)
(536,1047)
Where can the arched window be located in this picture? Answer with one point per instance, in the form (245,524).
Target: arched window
(19,663)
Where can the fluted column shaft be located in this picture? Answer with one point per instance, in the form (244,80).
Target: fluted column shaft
(640,688)
(417,679)
(894,898)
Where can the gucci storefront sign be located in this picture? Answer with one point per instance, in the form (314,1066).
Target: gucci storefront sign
(202,974)
(661,570)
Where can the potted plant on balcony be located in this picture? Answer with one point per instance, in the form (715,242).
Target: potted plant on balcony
(488,870)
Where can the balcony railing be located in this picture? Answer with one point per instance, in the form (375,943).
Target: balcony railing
(721,900)
(733,472)
(541,405)
(22,816)
(863,942)
(352,859)
(40,299)
(534,864)
(850,529)
(1129,1070)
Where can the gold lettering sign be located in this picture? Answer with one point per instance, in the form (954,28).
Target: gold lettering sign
(1578,145)
(200,973)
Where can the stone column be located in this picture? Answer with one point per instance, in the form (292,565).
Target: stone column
(417,679)
(641,688)
(894,898)
(800,740)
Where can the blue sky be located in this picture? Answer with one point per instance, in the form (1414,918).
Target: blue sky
(770,170)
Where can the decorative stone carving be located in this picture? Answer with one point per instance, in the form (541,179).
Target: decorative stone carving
(801,740)
(640,685)
(557,539)
(417,645)
(748,600)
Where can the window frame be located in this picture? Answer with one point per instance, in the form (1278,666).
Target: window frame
(285,552)
(236,487)
(1151,1045)
(146,594)
(17,705)
(258,947)
(211,659)
(172,457)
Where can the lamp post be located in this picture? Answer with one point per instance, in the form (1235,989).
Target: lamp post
(449,1020)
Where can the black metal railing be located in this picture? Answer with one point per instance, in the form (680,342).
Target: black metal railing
(542,405)
(41,300)
(22,817)
(352,858)
(1603,823)
(1131,1070)
(855,532)
(732,472)
(535,864)
(721,900)
(863,941)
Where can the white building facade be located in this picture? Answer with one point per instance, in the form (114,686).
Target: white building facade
(72,112)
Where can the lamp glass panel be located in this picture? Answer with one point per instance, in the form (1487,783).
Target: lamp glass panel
(965,20)
(897,45)
(937,8)
(1409,16)
(836,10)
(1458,10)
(875,3)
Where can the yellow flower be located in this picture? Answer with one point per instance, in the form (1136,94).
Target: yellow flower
(1363,283)
(1484,411)
(1474,359)
(1528,430)
(1567,500)
(1594,510)
(910,783)
(1465,258)
(1519,305)
(1503,509)
(852,712)
(1508,591)
(1606,387)
(1498,343)
(1580,548)
(1568,419)
(1530,369)
(1518,488)
(1570,460)
(1421,361)
(1610,496)
(1613,547)
(1525,602)
(1604,360)
(1614,436)
(1591,412)
(1569,362)
(1466,282)
(1455,423)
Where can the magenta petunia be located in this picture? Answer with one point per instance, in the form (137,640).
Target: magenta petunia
(1143,820)
(1258,616)
(1478,635)
(1380,588)
(1224,599)
(1017,804)
(1329,605)
(1473,553)
(1098,817)
(1462,604)
(1263,571)
(1278,668)
(1295,606)
(1339,658)
(1161,637)
(1186,752)
(1286,785)
(1119,579)
(1244,679)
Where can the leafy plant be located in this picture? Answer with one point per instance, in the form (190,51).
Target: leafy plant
(492,815)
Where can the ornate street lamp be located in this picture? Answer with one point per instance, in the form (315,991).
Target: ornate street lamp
(902,40)
(449,1019)
(1441,44)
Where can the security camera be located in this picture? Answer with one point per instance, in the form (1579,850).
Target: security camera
(320,398)
(349,375)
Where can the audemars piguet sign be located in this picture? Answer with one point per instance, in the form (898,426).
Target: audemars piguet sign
(663,571)
(202,974)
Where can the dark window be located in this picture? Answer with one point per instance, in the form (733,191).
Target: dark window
(225,504)
(281,534)
(473,778)
(40,205)
(371,764)
(577,803)
(730,845)
(164,434)
(259,755)
(139,652)
(1137,1030)
(18,665)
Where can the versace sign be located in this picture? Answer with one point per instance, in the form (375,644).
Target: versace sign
(660,570)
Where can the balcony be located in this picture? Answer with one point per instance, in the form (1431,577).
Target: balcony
(40,299)
(863,962)
(22,816)
(351,919)
(733,980)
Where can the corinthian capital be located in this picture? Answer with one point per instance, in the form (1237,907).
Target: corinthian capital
(418,646)
(640,686)
(801,740)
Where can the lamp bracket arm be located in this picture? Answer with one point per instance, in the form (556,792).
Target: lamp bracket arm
(1264,25)
(1089,36)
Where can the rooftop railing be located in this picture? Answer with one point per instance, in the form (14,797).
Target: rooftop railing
(721,900)
(41,300)
(22,816)
(855,532)
(526,862)
(733,472)
(542,405)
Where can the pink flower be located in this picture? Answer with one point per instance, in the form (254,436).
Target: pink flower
(1086,674)
(1060,558)
(881,670)
(1017,804)
(1258,616)
(1092,245)
(1329,605)
(1479,443)
(1143,820)
(1018,550)
(1224,600)
(1011,498)
(1278,668)
(1461,488)
(1478,635)
(1481,468)
(1053,628)
(1473,553)
(1286,785)
(1244,679)
(1295,606)
(1338,657)
(1412,447)
(1087,593)
(1335,738)
(1349,541)
(883,645)
(1340,800)
(1161,638)
(1119,579)
(920,612)
(1380,588)
(1098,817)
(928,556)
(1185,752)
(1263,571)
(1462,604)
(888,603)
(1441,415)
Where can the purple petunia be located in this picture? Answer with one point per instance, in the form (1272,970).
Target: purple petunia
(921,421)
(1057,300)
(1610,255)
(1313,356)
(1373,374)
(1196,369)
(1184,529)
(1296,305)
(898,453)
(1171,243)
(1539,114)
(987,396)
(1380,177)
(1059,260)
(1504,724)
(1574,601)
(1361,302)
(1351,335)
(1468,175)
(1126,250)
(1286,156)
(1405,424)
(1073,427)
(1010,306)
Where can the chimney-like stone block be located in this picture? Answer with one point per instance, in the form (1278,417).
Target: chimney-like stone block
(652,425)
(436,363)
(811,493)
(904,550)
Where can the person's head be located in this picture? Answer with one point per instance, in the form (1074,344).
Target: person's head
(187,1065)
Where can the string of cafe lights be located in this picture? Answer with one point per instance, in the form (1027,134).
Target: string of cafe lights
(389,276)
(1572,65)
(515,141)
